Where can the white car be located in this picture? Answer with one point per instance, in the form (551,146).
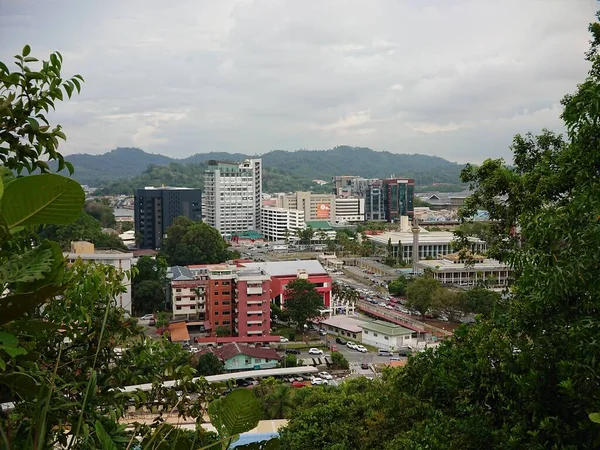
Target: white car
(389,307)
(315,351)
(361,349)
(283,340)
(147,317)
(382,304)
(351,345)
(325,376)
(317,381)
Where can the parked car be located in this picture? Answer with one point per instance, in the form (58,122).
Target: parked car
(389,307)
(292,351)
(361,349)
(351,345)
(323,332)
(147,317)
(340,341)
(325,376)
(315,351)
(405,351)
(298,384)
(364,366)
(283,340)
(383,352)
(152,322)
(316,381)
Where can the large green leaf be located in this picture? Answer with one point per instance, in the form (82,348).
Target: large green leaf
(14,306)
(595,417)
(104,438)
(236,413)
(28,266)
(42,199)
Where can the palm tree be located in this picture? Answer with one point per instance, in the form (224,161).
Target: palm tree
(278,403)
(338,292)
(352,296)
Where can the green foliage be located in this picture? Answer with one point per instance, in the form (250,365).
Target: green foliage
(223,331)
(26,137)
(289,361)
(339,361)
(209,364)
(150,269)
(102,212)
(148,296)
(423,294)
(233,414)
(482,301)
(302,301)
(83,228)
(398,286)
(190,242)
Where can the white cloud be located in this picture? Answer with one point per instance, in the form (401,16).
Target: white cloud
(188,76)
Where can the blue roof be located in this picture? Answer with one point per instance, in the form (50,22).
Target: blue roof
(249,438)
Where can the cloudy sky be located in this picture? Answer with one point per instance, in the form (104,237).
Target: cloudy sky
(453,78)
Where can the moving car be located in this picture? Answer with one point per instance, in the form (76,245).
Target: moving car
(325,375)
(364,366)
(383,352)
(283,340)
(351,345)
(340,341)
(315,351)
(316,381)
(292,351)
(147,317)
(361,349)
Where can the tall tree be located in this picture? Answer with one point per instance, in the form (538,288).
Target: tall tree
(148,296)
(398,286)
(208,364)
(302,302)
(150,269)
(423,294)
(102,212)
(190,242)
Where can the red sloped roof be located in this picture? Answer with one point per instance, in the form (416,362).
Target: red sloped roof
(228,351)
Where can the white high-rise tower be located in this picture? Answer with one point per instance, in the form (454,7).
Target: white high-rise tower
(232,196)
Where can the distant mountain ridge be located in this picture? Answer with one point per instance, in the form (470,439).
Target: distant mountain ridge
(127,163)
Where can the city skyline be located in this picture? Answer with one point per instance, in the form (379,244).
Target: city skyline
(455,79)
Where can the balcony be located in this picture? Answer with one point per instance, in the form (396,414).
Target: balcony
(254,290)
(254,332)
(254,302)
(253,322)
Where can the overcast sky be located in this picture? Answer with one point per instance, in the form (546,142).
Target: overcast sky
(452,78)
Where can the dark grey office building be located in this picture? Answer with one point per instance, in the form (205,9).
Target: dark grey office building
(374,201)
(156,208)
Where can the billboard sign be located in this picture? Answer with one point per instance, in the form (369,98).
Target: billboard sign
(323,210)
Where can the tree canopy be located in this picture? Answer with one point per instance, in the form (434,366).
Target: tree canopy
(423,294)
(302,301)
(398,286)
(190,242)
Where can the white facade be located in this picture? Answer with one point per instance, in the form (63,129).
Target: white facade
(388,336)
(349,210)
(116,258)
(279,223)
(315,206)
(189,298)
(489,272)
(233,196)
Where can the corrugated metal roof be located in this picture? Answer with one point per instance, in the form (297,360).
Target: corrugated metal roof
(391,329)
(181,273)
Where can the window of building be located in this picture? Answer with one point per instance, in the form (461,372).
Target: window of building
(177,290)
(216,283)
(178,308)
(354,335)
(248,361)
(216,313)
(226,313)
(256,360)
(375,334)
(226,293)
(216,303)
(216,292)
(217,323)
(226,283)
(226,302)
(365,332)
(226,322)
(177,299)
(386,338)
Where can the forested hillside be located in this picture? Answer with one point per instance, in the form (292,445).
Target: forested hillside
(124,169)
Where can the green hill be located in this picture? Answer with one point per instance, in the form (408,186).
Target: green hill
(124,169)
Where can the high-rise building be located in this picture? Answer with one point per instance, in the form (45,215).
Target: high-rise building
(374,201)
(398,198)
(279,223)
(156,208)
(233,195)
(315,206)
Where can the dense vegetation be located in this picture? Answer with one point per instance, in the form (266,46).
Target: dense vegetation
(524,376)
(282,171)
